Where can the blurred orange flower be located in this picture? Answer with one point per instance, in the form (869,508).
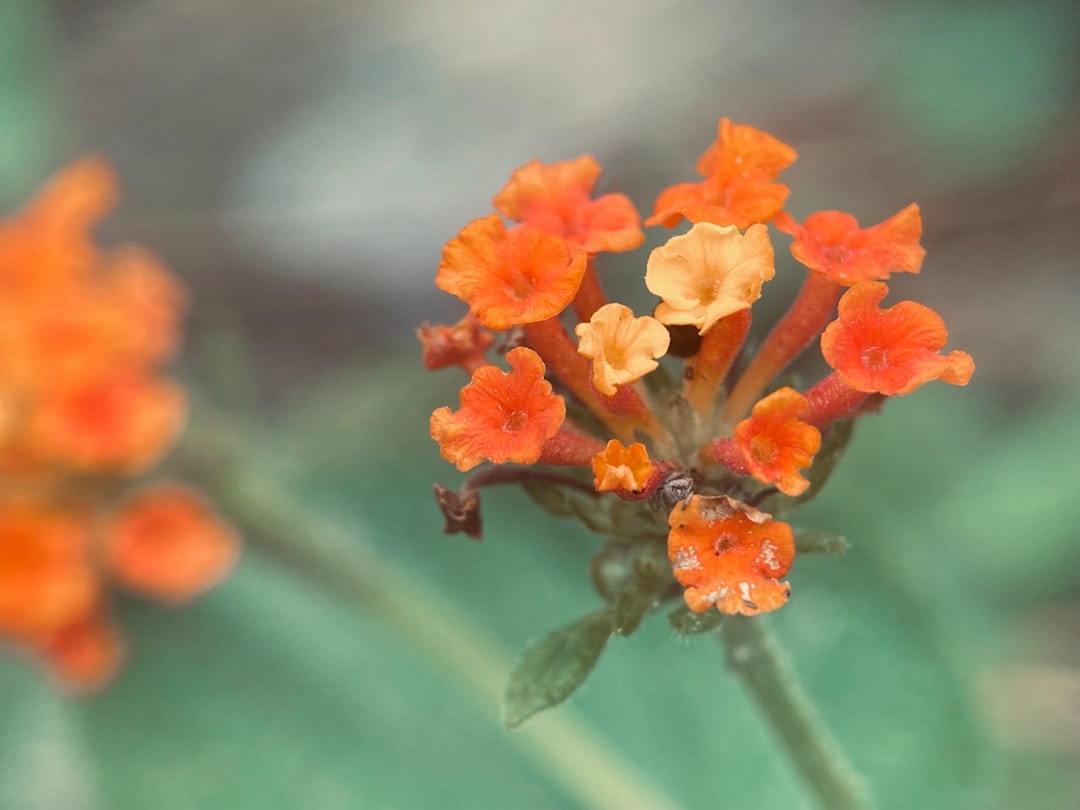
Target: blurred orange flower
(510,277)
(168,543)
(503,416)
(777,443)
(555,198)
(46,579)
(890,351)
(729,555)
(83,407)
(739,169)
(832,242)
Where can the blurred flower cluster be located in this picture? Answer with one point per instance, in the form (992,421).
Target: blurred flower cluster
(688,470)
(84,412)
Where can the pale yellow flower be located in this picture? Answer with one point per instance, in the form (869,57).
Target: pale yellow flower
(708,273)
(623,348)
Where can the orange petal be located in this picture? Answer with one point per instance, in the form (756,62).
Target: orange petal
(890,351)
(167,543)
(776,443)
(503,416)
(832,242)
(709,273)
(738,189)
(556,198)
(627,471)
(510,277)
(729,556)
(623,348)
(48,243)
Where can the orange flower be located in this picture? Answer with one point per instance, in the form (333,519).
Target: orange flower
(121,423)
(463,344)
(503,416)
(86,654)
(623,348)
(890,351)
(48,243)
(627,471)
(46,578)
(148,299)
(555,198)
(510,277)
(167,543)
(832,242)
(709,273)
(729,555)
(777,443)
(737,190)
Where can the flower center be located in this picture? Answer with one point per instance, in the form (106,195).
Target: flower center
(515,421)
(874,358)
(763,450)
(837,253)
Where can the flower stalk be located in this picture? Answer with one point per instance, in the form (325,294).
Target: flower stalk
(763,666)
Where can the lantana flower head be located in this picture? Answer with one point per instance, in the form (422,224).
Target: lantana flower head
(690,466)
(510,277)
(504,416)
(738,189)
(890,351)
(832,242)
(777,443)
(709,273)
(623,348)
(84,409)
(729,556)
(556,198)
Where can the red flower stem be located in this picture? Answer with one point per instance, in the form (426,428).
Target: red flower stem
(569,449)
(559,352)
(502,474)
(831,399)
(804,321)
(725,452)
(706,371)
(590,296)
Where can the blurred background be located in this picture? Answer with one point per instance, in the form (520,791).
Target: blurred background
(300,165)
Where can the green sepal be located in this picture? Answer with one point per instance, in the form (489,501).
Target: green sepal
(551,669)
(602,514)
(686,622)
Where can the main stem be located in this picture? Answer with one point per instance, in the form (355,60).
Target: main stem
(759,660)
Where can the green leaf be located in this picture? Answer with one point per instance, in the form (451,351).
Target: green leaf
(686,622)
(810,541)
(555,666)
(563,501)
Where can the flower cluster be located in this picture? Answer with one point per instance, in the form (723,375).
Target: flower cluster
(84,410)
(716,445)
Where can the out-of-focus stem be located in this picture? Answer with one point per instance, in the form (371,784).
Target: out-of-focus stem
(804,321)
(585,766)
(766,672)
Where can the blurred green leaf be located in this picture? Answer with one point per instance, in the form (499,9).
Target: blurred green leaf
(808,541)
(551,669)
